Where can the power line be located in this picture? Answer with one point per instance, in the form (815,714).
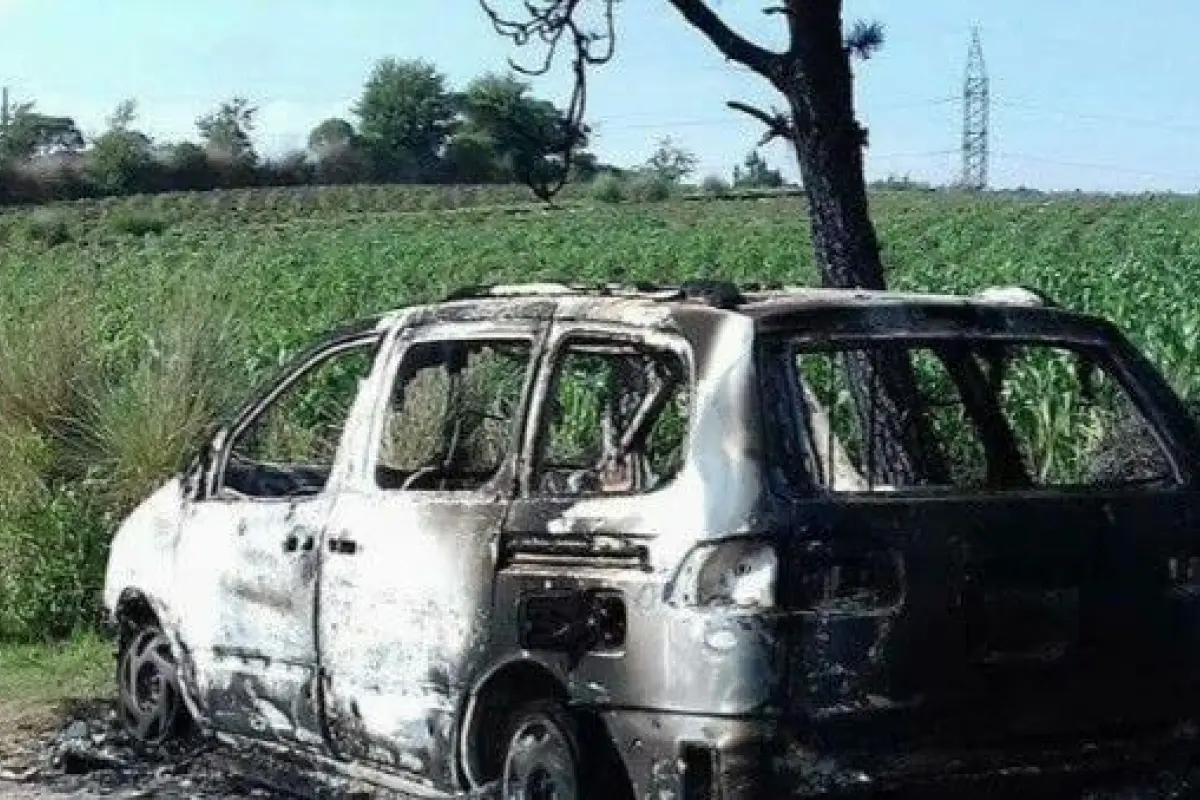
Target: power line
(1058,112)
(725,120)
(1093,166)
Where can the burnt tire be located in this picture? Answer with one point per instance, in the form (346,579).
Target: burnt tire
(542,758)
(149,702)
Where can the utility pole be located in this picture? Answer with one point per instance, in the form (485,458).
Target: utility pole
(4,120)
(976,106)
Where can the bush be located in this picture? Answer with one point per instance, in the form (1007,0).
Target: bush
(134,223)
(48,228)
(52,562)
(142,427)
(715,185)
(608,189)
(651,189)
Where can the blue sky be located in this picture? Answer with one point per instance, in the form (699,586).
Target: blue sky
(1100,99)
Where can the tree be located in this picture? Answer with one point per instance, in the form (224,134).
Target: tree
(121,158)
(32,135)
(670,162)
(472,157)
(756,174)
(337,152)
(226,132)
(332,134)
(814,76)
(406,114)
(189,167)
(123,115)
(531,140)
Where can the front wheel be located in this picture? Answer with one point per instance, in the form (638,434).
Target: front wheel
(150,704)
(542,759)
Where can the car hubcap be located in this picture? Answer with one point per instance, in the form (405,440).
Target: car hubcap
(149,688)
(540,765)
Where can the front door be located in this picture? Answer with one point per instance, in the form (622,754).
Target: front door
(249,552)
(406,581)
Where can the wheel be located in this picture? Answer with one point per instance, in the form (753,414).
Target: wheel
(542,758)
(150,705)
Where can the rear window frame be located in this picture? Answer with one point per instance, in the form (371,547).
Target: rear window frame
(1123,363)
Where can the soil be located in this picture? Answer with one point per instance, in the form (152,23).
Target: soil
(79,751)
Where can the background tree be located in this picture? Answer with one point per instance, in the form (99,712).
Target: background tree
(121,159)
(406,114)
(30,134)
(337,153)
(670,162)
(530,139)
(813,74)
(332,134)
(755,173)
(226,132)
(189,167)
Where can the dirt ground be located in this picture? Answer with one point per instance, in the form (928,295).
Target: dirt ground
(76,750)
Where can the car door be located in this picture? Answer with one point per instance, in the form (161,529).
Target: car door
(249,551)
(406,581)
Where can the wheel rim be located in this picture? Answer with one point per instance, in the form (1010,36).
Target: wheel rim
(149,688)
(540,764)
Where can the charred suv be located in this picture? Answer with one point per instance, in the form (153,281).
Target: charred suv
(560,542)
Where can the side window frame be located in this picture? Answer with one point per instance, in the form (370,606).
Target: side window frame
(503,483)
(560,341)
(300,366)
(1104,356)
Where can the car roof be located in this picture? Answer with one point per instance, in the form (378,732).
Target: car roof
(653,304)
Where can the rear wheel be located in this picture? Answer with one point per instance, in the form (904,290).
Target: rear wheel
(542,757)
(148,684)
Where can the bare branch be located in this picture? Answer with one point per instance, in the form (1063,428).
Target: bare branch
(552,21)
(732,45)
(778,125)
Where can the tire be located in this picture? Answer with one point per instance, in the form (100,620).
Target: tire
(542,758)
(149,700)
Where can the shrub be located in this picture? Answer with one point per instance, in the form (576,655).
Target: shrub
(651,189)
(44,373)
(715,185)
(143,423)
(48,228)
(52,561)
(137,223)
(608,189)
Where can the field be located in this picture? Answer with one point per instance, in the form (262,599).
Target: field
(126,327)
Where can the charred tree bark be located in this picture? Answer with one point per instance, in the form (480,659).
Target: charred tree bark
(815,76)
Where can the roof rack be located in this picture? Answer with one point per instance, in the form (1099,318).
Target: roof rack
(718,294)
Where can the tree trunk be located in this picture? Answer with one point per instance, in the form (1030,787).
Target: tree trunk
(817,82)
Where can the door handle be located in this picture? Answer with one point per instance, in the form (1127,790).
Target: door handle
(346,547)
(292,543)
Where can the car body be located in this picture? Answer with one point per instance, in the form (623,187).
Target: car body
(649,507)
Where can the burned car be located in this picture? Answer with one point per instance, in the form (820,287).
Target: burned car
(566,541)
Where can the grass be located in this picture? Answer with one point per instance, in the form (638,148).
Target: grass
(36,676)
(117,350)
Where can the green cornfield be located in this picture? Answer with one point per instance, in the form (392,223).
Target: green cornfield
(127,327)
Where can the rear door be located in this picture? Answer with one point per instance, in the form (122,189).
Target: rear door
(1031,589)
(406,581)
